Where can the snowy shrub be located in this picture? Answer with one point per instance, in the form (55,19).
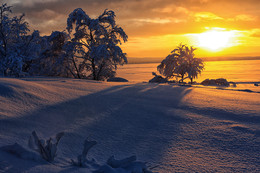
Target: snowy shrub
(123,166)
(52,60)
(112,165)
(82,160)
(120,163)
(94,47)
(181,63)
(47,149)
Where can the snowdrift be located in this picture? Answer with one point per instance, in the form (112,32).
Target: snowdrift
(169,128)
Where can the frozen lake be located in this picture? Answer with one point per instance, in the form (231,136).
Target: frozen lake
(237,71)
(245,72)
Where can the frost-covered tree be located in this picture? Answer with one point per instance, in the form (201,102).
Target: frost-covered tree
(52,60)
(95,44)
(17,47)
(167,66)
(76,63)
(194,65)
(30,49)
(174,65)
(181,63)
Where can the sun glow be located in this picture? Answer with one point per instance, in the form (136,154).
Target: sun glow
(215,40)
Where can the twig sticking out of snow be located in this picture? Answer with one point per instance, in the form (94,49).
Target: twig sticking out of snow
(82,158)
(47,149)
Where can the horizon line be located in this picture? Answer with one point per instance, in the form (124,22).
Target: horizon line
(141,60)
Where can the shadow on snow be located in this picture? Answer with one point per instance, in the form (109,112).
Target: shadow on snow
(124,120)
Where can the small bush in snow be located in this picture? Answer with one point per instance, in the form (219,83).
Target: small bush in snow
(47,149)
(82,158)
(125,165)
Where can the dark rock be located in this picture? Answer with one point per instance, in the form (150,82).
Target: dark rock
(233,84)
(117,79)
(215,82)
(158,79)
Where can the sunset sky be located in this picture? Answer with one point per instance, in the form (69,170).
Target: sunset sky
(155,27)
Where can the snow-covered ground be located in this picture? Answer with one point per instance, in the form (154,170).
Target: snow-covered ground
(171,128)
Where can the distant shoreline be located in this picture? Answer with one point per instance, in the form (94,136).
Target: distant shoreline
(146,60)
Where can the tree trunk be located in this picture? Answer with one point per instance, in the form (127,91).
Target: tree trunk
(93,69)
(100,70)
(76,68)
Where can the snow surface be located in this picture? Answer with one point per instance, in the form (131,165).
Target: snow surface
(172,128)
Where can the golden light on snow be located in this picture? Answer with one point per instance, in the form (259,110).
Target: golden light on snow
(216,40)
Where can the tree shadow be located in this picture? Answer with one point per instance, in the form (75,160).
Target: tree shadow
(135,119)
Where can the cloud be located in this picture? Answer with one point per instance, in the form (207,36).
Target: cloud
(201,16)
(141,16)
(159,20)
(40,13)
(207,16)
(255,32)
(169,9)
(244,17)
(156,20)
(30,3)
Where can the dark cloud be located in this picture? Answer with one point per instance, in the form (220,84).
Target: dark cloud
(138,17)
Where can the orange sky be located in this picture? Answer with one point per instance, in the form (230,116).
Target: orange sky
(155,27)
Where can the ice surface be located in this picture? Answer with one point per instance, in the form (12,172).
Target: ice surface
(236,71)
(171,128)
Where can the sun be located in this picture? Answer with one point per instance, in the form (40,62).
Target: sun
(215,39)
